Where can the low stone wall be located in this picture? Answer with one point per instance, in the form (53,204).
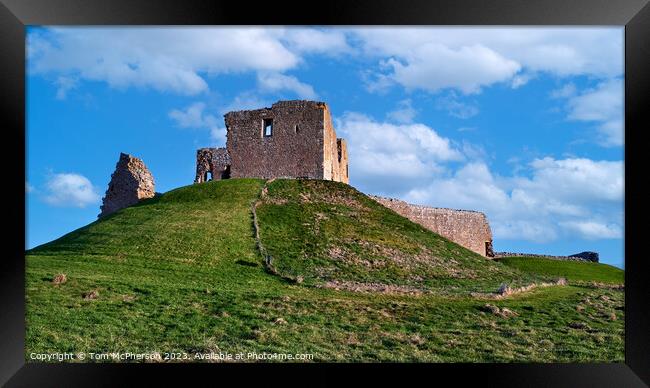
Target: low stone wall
(576,257)
(464,227)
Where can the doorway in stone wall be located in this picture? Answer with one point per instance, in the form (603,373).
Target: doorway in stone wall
(489,251)
(225,174)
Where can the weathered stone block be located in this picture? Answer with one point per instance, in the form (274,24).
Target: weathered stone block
(131,182)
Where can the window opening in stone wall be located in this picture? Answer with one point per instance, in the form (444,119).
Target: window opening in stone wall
(225,174)
(268,127)
(296,129)
(207,177)
(347,171)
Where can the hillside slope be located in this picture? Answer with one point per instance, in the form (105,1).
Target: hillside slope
(575,271)
(181,273)
(330,234)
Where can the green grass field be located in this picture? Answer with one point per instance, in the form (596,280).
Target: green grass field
(180,273)
(576,271)
(330,232)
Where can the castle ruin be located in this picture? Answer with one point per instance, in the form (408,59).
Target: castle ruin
(292,139)
(212,163)
(131,182)
(464,227)
(296,139)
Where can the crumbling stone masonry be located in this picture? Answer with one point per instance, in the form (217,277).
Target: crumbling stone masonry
(292,139)
(212,164)
(131,182)
(342,156)
(464,227)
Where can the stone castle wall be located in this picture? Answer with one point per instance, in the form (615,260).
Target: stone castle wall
(294,149)
(131,182)
(214,161)
(331,167)
(583,256)
(469,229)
(302,144)
(335,153)
(342,147)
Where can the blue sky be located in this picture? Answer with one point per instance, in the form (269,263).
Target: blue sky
(524,124)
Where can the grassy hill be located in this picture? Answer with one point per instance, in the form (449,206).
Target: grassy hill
(330,234)
(182,273)
(577,271)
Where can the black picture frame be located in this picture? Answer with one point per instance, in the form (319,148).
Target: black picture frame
(15,15)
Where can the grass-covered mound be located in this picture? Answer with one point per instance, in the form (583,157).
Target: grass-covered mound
(330,234)
(181,273)
(576,271)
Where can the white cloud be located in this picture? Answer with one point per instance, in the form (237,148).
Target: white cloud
(29,188)
(598,104)
(393,156)
(473,151)
(275,82)
(468,59)
(434,66)
(474,187)
(470,187)
(593,230)
(245,101)
(194,116)
(566,91)
(520,80)
(456,108)
(218,135)
(64,85)
(310,40)
(180,59)
(69,189)
(612,133)
(538,231)
(582,179)
(556,198)
(568,197)
(404,113)
(164,59)
(568,51)
(375,82)
(602,105)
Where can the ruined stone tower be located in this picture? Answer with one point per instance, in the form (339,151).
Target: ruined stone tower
(130,183)
(292,139)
